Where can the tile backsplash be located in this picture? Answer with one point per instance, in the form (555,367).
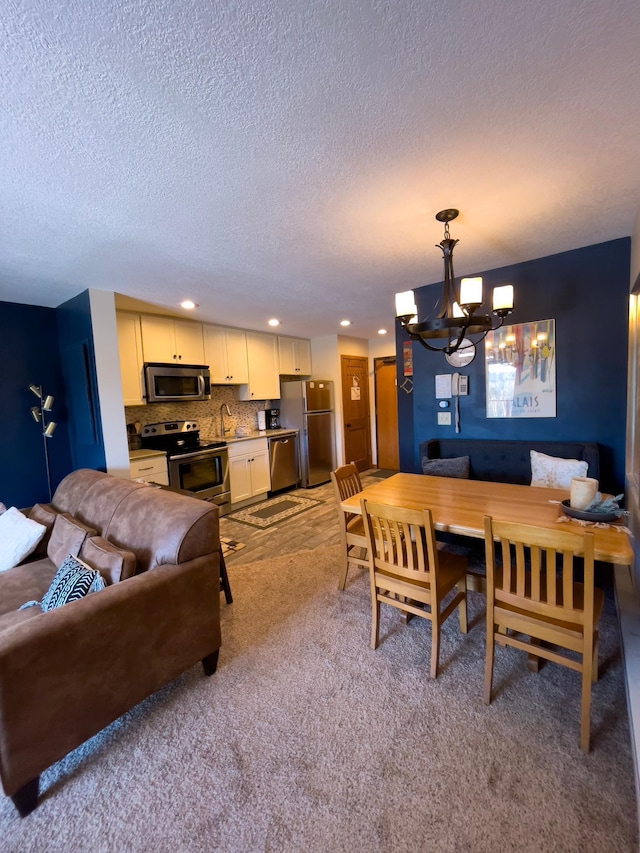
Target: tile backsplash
(205,412)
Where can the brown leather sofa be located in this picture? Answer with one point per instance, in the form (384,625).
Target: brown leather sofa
(67,673)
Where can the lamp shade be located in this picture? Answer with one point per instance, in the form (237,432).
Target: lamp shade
(471,291)
(503,297)
(406,304)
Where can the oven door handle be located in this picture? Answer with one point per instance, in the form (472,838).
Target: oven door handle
(200,385)
(214,451)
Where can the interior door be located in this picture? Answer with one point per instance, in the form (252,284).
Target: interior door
(386,407)
(355,410)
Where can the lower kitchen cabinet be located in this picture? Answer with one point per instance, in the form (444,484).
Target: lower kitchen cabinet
(150,466)
(249,469)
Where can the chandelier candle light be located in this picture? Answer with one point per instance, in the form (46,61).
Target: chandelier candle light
(457,317)
(38,413)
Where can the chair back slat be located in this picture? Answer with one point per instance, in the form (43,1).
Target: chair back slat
(552,583)
(567,579)
(536,572)
(520,569)
(506,565)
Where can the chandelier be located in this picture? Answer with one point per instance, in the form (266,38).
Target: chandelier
(457,316)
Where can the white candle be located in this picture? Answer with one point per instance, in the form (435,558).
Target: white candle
(583,491)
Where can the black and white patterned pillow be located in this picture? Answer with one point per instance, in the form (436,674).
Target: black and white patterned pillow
(73,580)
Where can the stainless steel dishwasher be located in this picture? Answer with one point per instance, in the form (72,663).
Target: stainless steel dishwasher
(283,461)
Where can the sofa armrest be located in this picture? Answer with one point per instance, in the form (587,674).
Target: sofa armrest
(68,673)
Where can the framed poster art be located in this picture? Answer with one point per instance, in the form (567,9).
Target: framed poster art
(521,371)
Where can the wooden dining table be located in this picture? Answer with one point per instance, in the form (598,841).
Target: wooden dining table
(459,506)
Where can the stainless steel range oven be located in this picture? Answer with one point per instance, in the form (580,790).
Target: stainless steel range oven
(199,467)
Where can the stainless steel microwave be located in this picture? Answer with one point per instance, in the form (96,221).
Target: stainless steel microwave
(169,383)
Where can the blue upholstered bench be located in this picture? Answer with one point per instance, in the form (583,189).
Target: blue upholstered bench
(508,461)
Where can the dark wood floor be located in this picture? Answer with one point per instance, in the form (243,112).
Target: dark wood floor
(311,529)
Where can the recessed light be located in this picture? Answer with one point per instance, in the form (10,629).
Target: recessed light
(345,322)
(189,304)
(382,331)
(274,322)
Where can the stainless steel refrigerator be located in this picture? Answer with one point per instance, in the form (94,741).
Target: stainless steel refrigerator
(308,407)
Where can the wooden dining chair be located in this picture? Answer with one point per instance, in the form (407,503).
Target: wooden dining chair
(346,483)
(534,601)
(410,572)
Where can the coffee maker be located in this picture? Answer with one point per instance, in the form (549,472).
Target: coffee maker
(272,418)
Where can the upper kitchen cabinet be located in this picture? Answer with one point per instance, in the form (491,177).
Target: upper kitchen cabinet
(295,356)
(130,353)
(225,351)
(262,356)
(172,341)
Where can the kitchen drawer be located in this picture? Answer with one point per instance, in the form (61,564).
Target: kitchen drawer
(153,470)
(246,448)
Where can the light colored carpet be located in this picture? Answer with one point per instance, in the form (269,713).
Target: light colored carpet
(306,740)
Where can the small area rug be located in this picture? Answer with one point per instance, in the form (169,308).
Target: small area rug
(273,511)
(382,473)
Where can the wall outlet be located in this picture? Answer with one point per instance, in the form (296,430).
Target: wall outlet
(444,418)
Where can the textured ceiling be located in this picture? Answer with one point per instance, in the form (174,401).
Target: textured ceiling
(287,157)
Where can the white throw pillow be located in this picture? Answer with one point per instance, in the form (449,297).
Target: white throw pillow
(555,472)
(19,536)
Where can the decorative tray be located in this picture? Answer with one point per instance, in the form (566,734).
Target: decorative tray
(589,516)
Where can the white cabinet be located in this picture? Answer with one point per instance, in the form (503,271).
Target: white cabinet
(130,354)
(225,351)
(150,468)
(249,469)
(168,340)
(294,356)
(264,378)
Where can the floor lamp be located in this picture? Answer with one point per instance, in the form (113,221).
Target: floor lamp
(39,414)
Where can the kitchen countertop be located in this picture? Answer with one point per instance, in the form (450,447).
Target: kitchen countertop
(263,433)
(145,454)
(229,439)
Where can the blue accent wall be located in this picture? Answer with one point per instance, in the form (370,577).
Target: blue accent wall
(29,355)
(77,356)
(586,291)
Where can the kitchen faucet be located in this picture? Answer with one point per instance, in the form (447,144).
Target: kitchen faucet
(222,408)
